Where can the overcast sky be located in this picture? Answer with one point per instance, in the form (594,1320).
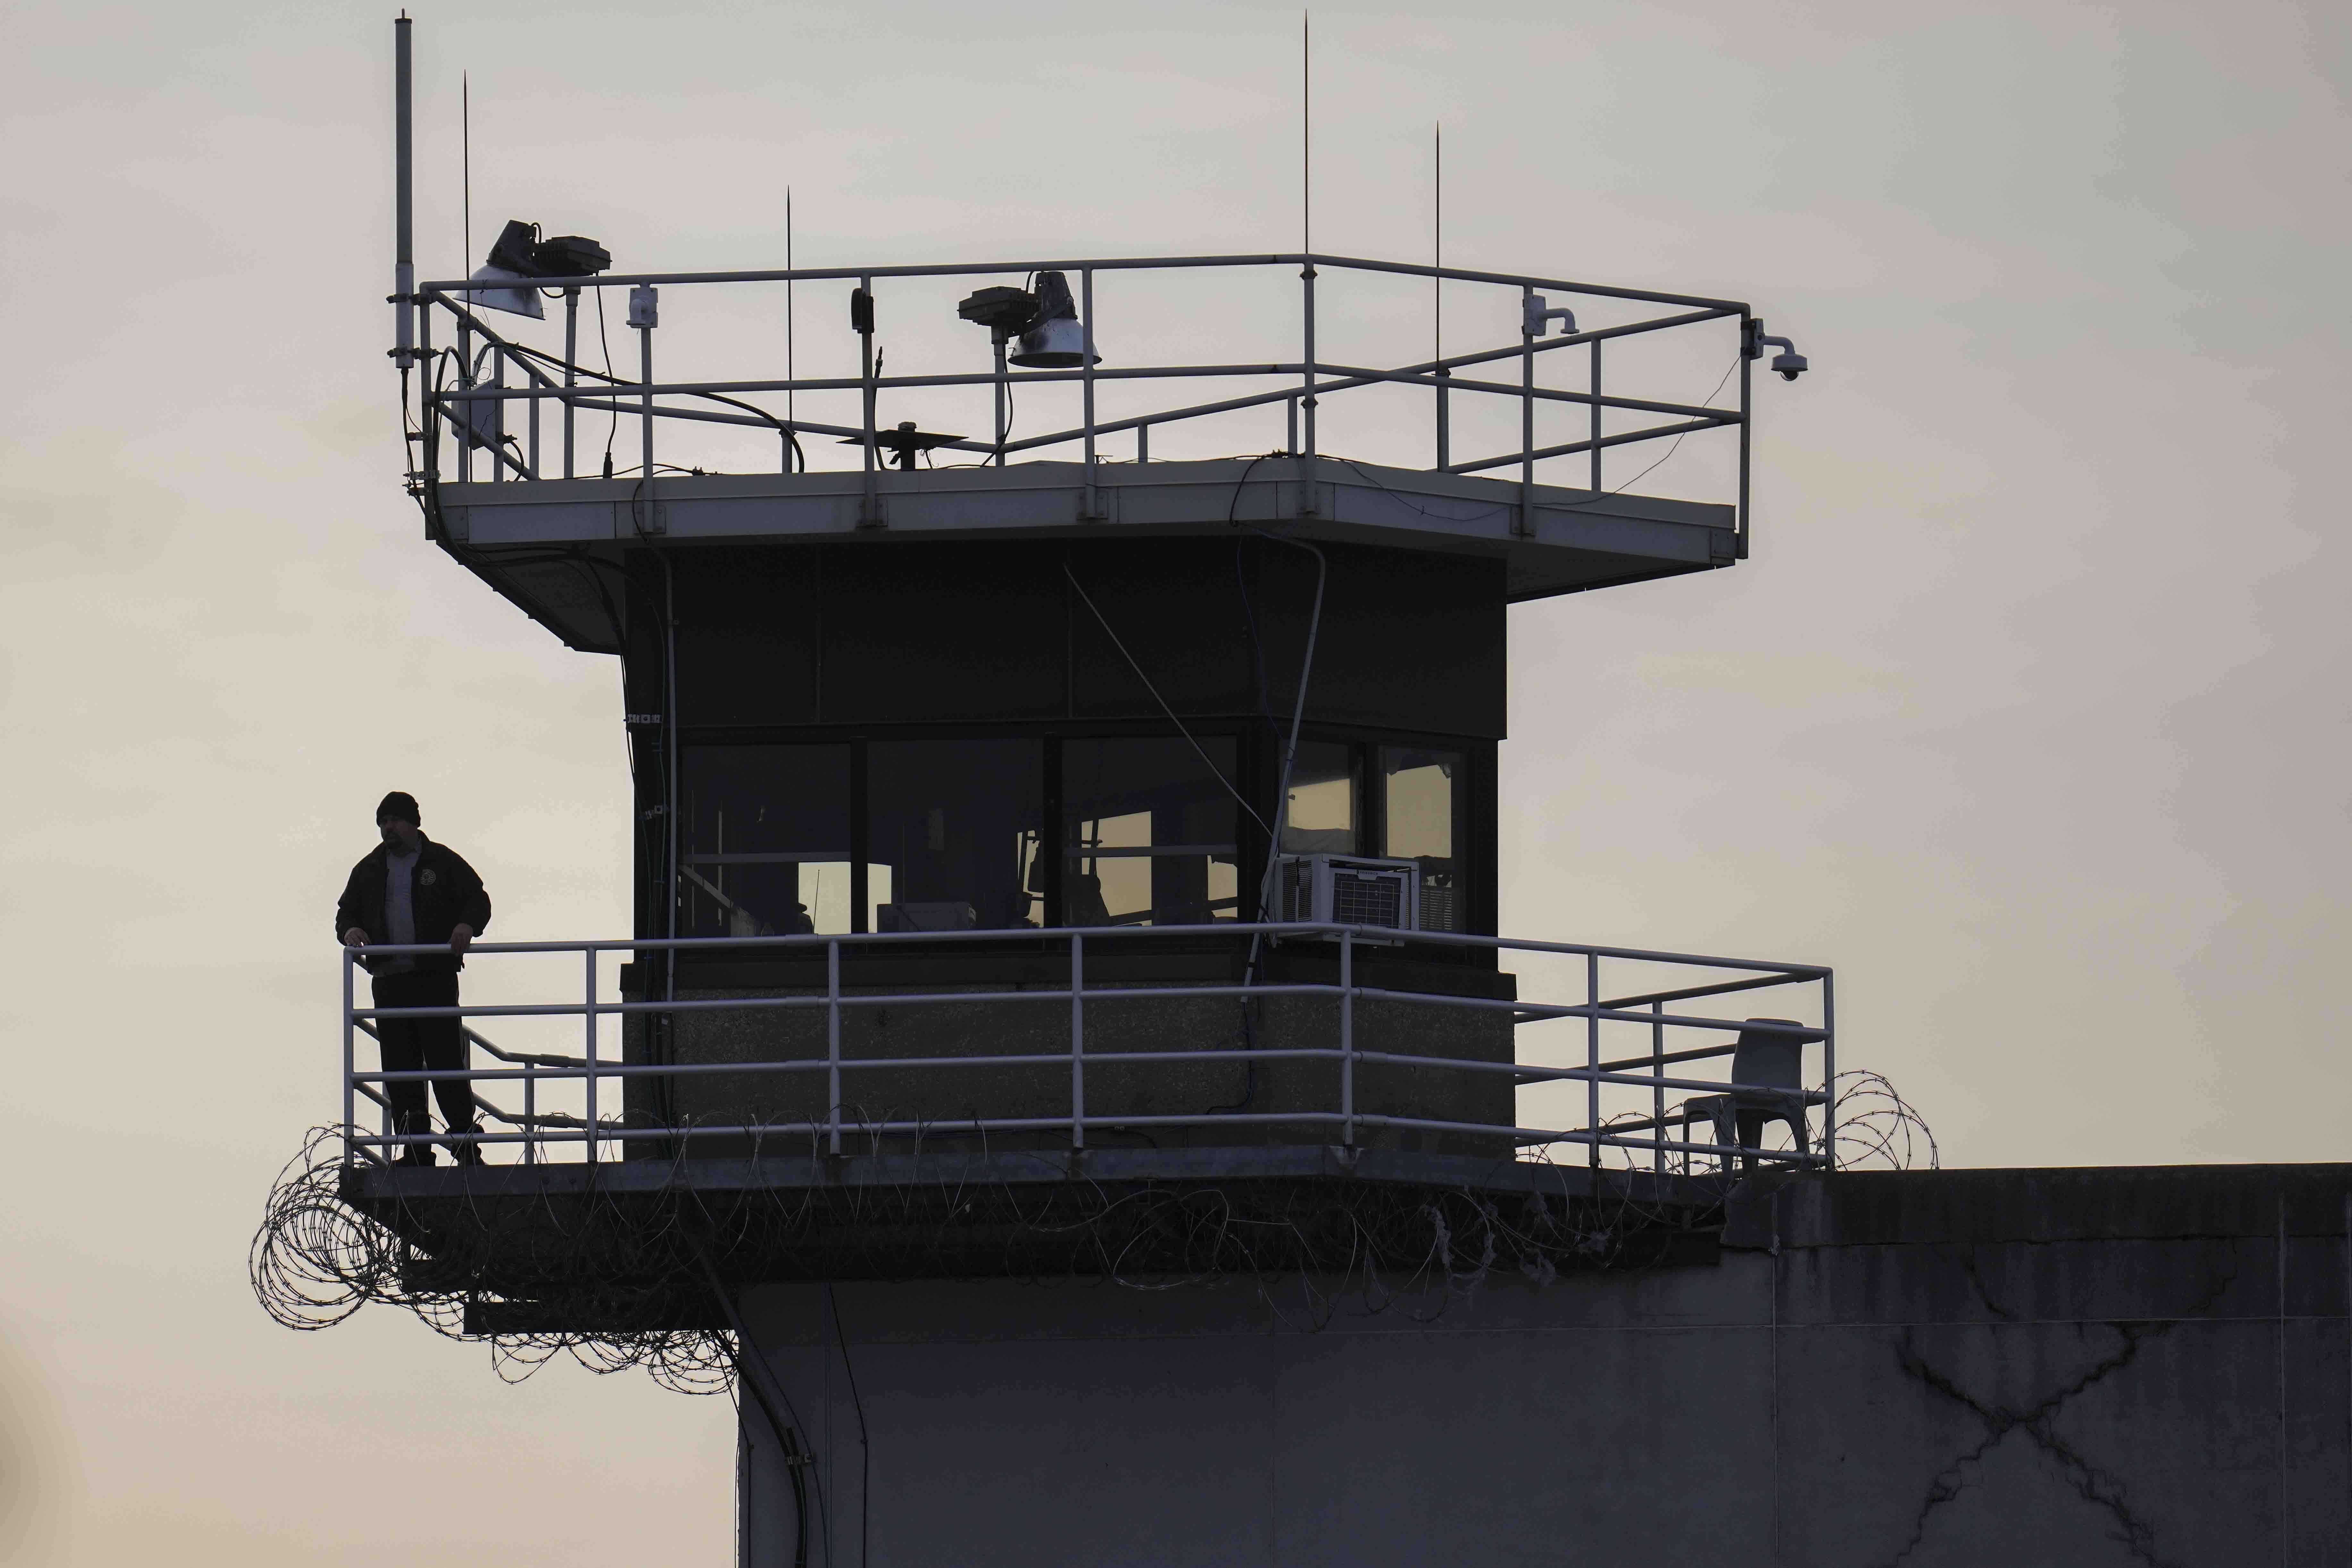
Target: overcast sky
(2028,712)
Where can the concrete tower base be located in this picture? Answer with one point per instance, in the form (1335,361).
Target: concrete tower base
(2076,1367)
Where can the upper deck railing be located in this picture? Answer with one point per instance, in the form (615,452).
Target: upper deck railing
(483,391)
(1647,1068)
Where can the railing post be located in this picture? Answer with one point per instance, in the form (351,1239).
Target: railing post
(499,382)
(998,460)
(1592,1054)
(1829,1071)
(1596,417)
(350,1092)
(1077,1042)
(571,374)
(590,1016)
(1445,419)
(1086,385)
(833,1041)
(1306,278)
(531,383)
(645,417)
(465,409)
(530,1113)
(591,1058)
(1530,326)
(1348,1038)
(1658,1090)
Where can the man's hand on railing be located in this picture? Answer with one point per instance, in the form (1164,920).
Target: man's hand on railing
(459,936)
(355,937)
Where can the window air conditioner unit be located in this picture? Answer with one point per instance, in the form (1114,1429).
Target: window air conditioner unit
(1350,889)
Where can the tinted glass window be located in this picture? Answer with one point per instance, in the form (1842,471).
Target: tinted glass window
(953,834)
(1321,817)
(763,840)
(1148,832)
(1422,801)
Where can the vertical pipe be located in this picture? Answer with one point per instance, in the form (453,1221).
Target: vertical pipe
(403,211)
(833,1041)
(1529,327)
(1596,417)
(570,374)
(530,1113)
(1077,1042)
(1592,1054)
(1086,369)
(1143,444)
(1829,1071)
(589,1013)
(1348,1038)
(531,386)
(1290,431)
(351,1030)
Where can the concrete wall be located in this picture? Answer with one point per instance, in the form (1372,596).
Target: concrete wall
(2072,1368)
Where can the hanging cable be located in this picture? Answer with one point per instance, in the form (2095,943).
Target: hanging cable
(1214,771)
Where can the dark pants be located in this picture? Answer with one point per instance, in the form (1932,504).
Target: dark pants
(415,1045)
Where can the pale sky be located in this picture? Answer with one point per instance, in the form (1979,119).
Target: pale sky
(2027,714)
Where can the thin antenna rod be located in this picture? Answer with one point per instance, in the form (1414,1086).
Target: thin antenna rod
(1307,131)
(466,157)
(1437,247)
(788,303)
(403,221)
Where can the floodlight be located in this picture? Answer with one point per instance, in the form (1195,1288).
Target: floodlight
(1056,339)
(519,257)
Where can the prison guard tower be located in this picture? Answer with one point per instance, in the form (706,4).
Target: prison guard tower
(1066,1076)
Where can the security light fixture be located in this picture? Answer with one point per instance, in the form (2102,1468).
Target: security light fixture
(1056,339)
(519,257)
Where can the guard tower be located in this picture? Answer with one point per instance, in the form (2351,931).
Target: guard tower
(1063,697)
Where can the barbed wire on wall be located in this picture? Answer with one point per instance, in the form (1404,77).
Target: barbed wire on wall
(616,1284)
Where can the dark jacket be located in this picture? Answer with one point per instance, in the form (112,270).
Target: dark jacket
(445,892)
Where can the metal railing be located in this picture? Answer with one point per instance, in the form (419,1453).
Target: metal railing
(466,392)
(1623,1105)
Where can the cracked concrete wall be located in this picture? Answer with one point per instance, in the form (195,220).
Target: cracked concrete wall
(1924,1369)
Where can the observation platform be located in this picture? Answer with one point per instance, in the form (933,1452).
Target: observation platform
(1567,542)
(891,1122)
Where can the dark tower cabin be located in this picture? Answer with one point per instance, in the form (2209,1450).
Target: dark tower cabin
(950,707)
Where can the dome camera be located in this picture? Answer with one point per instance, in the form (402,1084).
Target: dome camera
(1788,361)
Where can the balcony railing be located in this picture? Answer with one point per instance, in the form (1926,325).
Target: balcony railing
(1646,1069)
(484,390)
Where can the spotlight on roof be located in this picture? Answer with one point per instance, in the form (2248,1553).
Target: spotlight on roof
(519,258)
(1056,338)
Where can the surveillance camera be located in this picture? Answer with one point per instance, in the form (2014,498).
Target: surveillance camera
(1790,365)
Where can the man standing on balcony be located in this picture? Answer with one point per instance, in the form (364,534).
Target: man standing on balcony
(407,891)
